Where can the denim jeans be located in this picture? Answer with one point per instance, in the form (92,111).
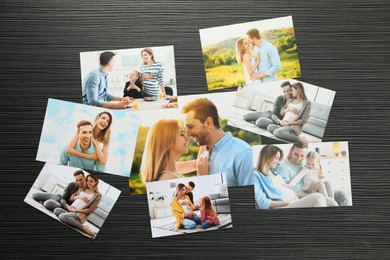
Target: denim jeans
(190,223)
(207,225)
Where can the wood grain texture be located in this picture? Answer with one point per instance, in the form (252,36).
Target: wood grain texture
(343,46)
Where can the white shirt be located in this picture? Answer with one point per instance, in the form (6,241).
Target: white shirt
(79,203)
(290,116)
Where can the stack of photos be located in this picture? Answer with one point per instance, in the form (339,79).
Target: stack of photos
(74,197)
(184,155)
(181,206)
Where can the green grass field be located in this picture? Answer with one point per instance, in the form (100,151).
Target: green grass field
(229,76)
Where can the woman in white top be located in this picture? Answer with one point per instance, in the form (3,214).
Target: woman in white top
(100,139)
(245,57)
(295,114)
(166,141)
(84,203)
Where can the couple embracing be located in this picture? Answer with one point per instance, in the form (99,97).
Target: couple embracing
(220,152)
(79,200)
(261,64)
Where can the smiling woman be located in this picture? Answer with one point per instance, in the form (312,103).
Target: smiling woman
(100,139)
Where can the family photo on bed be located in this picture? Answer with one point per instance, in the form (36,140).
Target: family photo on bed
(181,206)
(128,78)
(74,197)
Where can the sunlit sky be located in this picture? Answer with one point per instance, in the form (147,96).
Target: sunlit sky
(60,126)
(217,34)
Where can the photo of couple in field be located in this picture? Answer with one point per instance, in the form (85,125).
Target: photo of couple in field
(250,53)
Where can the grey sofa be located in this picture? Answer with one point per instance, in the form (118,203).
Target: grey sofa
(318,119)
(100,214)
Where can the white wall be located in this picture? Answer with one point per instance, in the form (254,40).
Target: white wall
(204,185)
(126,60)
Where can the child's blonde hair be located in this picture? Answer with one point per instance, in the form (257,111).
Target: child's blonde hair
(315,156)
(205,204)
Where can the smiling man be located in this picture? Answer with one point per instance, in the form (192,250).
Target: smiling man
(84,145)
(226,153)
(292,165)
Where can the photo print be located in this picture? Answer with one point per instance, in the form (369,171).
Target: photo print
(301,176)
(74,197)
(190,205)
(131,79)
(176,143)
(88,137)
(287,110)
(252,53)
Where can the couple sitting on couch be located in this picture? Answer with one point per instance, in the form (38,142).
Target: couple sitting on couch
(183,210)
(290,112)
(79,200)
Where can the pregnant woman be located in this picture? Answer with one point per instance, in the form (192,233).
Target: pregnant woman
(271,191)
(245,57)
(100,139)
(295,114)
(182,209)
(84,203)
(153,73)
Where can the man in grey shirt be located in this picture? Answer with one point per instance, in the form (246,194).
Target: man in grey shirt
(53,201)
(263,118)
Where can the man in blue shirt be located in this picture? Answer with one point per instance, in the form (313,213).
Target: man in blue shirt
(84,145)
(95,85)
(292,165)
(226,154)
(269,57)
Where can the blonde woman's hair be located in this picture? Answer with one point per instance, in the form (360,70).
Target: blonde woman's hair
(104,136)
(315,156)
(240,50)
(266,154)
(205,204)
(160,138)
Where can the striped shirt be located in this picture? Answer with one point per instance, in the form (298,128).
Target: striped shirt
(152,86)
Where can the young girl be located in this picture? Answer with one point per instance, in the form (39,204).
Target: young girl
(133,87)
(207,213)
(101,139)
(313,178)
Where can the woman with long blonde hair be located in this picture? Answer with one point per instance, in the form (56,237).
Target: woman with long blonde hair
(165,143)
